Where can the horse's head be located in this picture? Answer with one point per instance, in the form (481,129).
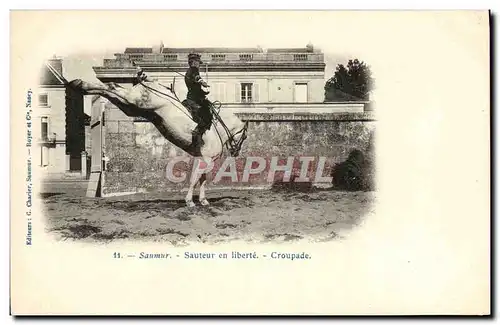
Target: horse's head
(234,128)
(239,137)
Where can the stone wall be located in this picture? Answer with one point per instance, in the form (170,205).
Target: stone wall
(137,155)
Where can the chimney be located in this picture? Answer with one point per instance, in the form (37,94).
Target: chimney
(158,48)
(56,63)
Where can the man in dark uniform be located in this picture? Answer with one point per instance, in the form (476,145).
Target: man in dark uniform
(196,98)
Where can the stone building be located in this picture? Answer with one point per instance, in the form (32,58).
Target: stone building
(241,78)
(59,124)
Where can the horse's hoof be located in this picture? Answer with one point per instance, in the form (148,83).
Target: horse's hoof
(76,84)
(79,85)
(204,202)
(190,204)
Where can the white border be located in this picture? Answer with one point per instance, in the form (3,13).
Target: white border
(193,4)
(254,5)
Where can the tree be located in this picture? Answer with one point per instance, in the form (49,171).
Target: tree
(353,82)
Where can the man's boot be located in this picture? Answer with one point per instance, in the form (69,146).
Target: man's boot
(197,136)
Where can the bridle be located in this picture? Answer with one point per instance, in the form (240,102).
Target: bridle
(234,146)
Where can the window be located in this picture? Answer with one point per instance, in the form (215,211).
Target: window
(218,57)
(300,57)
(45,128)
(43,100)
(170,57)
(246,92)
(246,57)
(44,156)
(301,92)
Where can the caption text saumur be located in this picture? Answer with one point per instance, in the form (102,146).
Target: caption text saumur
(232,255)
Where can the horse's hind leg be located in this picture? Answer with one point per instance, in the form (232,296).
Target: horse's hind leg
(201,167)
(203,182)
(113,86)
(189,195)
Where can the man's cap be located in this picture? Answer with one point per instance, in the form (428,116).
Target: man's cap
(194,56)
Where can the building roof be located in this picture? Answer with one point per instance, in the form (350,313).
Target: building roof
(212,50)
(228,59)
(139,50)
(289,50)
(48,78)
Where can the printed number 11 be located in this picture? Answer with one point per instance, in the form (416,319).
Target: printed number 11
(116,255)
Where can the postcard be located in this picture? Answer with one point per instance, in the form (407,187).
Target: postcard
(250,163)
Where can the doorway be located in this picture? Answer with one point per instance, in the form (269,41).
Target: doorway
(301,92)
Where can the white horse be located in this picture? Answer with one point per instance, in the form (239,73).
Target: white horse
(160,105)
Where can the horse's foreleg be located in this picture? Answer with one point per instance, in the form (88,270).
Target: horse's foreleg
(201,167)
(203,182)
(189,195)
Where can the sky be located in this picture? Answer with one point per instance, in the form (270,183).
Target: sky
(400,47)
(85,38)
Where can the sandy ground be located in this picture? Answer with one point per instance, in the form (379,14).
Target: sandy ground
(257,216)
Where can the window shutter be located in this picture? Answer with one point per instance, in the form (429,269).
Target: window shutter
(212,96)
(256,88)
(237,93)
(45,156)
(222,90)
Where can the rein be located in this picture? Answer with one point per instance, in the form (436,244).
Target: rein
(230,144)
